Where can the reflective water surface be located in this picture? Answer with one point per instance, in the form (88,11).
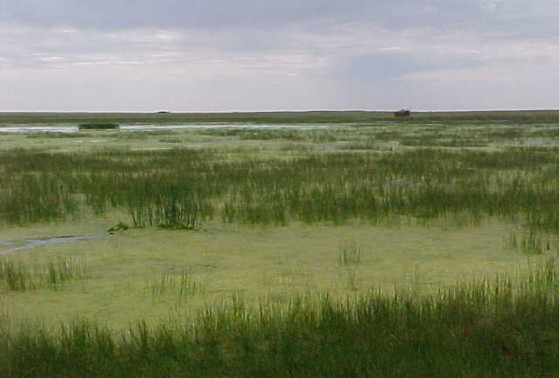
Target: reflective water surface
(75,129)
(32,243)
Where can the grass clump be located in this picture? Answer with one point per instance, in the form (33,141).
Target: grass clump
(530,242)
(182,286)
(24,276)
(349,253)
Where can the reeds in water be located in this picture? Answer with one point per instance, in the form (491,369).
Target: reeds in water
(531,242)
(349,253)
(180,189)
(485,328)
(23,276)
(182,286)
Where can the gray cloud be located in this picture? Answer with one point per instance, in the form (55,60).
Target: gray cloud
(290,54)
(249,14)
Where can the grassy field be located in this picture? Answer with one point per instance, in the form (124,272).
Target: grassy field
(526,116)
(343,244)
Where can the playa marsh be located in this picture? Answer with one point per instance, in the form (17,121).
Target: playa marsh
(234,242)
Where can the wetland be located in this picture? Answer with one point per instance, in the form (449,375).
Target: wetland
(264,232)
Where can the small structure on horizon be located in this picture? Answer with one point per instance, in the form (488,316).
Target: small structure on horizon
(402,113)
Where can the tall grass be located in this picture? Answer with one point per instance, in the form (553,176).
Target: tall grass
(349,253)
(23,276)
(499,328)
(181,286)
(531,242)
(182,188)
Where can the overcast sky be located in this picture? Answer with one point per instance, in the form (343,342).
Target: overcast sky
(260,55)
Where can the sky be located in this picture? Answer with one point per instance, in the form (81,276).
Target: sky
(266,55)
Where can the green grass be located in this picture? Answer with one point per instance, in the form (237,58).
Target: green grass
(274,276)
(349,253)
(23,276)
(518,184)
(501,329)
(280,117)
(181,286)
(259,263)
(531,242)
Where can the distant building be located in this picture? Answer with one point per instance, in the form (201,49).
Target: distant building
(163,112)
(402,113)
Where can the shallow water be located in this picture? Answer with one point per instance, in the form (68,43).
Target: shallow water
(39,128)
(221,126)
(32,243)
(75,129)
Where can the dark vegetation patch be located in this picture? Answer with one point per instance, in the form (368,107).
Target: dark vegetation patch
(98,126)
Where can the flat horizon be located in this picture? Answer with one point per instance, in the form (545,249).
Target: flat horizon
(273,111)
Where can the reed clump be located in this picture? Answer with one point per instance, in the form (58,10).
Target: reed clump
(531,242)
(181,286)
(349,253)
(24,276)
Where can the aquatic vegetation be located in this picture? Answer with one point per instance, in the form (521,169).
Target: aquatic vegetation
(98,126)
(427,172)
(349,253)
(23,276)
(475,329)
(181,188)
(181,286)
